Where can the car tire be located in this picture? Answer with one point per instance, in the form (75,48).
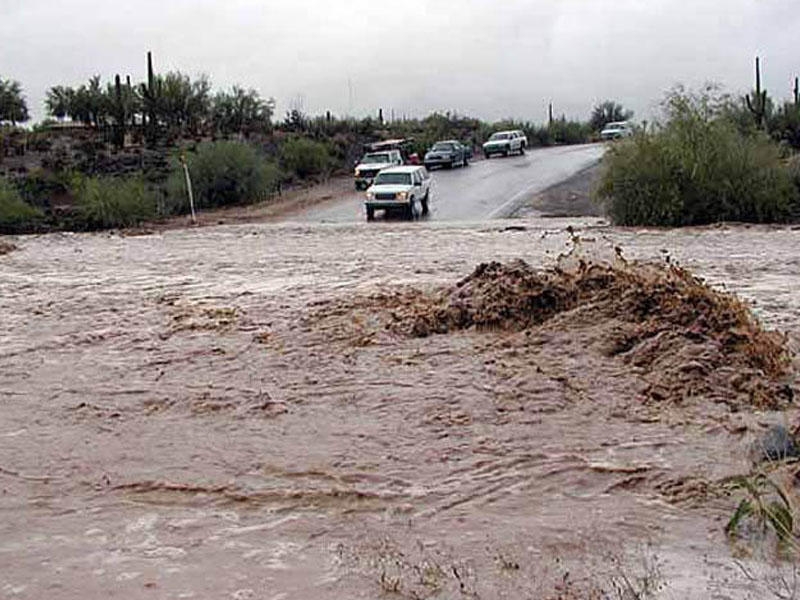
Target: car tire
(522,150)
(409,211)
(370,213)
(424,203)
(466,161)
(505,153)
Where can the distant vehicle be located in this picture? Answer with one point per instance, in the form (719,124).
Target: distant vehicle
(505,142)
(404,189)
(616,130)
(448,153)
(375,158)
(521,134)
(373,163)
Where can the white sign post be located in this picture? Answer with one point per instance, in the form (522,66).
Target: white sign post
(188,186)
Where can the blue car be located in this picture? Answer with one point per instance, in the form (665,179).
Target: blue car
(449,154)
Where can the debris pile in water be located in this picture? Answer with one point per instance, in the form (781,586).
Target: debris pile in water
(687,338)
(6,247)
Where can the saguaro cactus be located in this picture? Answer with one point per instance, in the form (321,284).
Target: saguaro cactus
(119,114)
(757,102)
(150,98)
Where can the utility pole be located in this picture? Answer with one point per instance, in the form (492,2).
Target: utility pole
(350,97)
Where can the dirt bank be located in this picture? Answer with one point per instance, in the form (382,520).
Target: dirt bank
(571,198)
(223,412)
(289,202)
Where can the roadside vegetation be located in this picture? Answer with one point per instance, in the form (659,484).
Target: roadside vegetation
(712,158)
(110,202)
(15,214)
(109,153)
(697,168)
(222,174)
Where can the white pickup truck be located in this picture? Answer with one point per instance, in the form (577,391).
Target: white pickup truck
(505,142)
(405,189)
(374,162)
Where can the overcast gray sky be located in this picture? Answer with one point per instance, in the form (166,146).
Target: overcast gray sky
(487,58)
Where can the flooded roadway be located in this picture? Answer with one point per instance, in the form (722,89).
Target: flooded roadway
(189,415)
(485,189)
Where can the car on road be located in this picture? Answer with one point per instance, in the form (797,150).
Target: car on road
(616,130)
(373,163)
(522,136)
(505,143)
(448,153)
(404,189)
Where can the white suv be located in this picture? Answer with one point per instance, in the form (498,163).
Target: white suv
(372,163)
(616,130)
(505,142)
(399,188)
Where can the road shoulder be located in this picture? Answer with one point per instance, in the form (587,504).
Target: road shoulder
(569,198)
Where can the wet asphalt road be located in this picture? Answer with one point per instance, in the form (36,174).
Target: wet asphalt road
(486,189)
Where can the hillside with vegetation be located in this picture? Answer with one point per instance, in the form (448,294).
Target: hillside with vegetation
(110,153)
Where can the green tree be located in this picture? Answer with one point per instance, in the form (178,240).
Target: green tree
(13,107)
(88,104)
(182,103)
(608,112)
(58,101)
(242,111)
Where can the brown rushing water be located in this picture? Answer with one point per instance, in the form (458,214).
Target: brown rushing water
(188,415)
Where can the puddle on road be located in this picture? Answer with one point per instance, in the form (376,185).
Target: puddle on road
(241,411)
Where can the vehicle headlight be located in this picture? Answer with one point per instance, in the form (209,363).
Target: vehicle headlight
(402,196)
(358,173)
(370,195)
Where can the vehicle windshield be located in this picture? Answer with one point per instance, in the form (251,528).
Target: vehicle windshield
(443,147)
(393,179)
(499,136)
(377,158)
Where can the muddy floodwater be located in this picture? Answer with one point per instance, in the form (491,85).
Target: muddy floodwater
(199,414)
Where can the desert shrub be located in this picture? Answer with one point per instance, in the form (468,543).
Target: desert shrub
(784,125)
(16,215)
(223,174)
(304,158)
(793,168)
(697,168)
(563,131)
(109,202)
(39,186)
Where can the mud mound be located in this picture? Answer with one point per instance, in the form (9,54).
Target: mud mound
(6,247)
(687,338)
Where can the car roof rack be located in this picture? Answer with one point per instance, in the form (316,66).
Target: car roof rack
(397,144)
